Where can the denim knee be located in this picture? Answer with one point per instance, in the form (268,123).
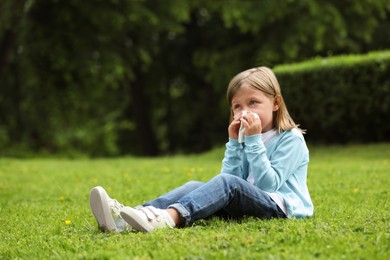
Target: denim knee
(227,179)
(193,184)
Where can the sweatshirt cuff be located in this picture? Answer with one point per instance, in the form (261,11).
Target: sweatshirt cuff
(233,142)
(252,140)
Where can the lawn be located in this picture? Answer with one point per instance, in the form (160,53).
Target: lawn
(44,209)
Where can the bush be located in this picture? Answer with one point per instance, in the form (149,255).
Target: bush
(340,99)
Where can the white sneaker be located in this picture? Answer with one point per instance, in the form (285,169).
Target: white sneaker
(107,211)
(147,218)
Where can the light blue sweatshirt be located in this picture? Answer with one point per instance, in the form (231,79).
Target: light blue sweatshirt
(279,167)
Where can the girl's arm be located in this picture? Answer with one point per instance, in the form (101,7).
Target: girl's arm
(231,163)
(287,156)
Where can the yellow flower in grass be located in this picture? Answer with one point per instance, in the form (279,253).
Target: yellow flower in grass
(166,169)
(61,198)
(68,222)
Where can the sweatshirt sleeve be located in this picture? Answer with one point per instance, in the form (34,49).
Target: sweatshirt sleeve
(231,163)
(270,172)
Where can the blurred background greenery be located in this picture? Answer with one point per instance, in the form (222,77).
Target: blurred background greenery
(148,77)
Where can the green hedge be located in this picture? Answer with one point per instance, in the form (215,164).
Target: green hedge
(340,99)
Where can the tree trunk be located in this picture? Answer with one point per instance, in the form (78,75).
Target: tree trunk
(140,105)
(5,49)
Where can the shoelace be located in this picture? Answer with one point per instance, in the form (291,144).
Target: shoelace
(115,207)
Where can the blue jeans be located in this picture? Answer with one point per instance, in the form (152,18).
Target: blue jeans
(225,195)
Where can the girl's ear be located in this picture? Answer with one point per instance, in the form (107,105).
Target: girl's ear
(277,102)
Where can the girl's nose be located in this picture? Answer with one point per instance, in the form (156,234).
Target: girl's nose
(244,108)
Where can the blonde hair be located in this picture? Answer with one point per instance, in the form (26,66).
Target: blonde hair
(263,79)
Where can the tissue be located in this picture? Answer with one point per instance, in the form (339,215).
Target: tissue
(241,131)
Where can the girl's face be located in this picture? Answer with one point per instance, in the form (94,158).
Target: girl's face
(248,98)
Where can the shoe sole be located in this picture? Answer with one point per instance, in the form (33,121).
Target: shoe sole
(98,201)
(132,217)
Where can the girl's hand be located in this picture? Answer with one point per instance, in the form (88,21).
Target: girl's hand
(252,124)
(233,128)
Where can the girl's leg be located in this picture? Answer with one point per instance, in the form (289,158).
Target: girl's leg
(167,199)
(229,193)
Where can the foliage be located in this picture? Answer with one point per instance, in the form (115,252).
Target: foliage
(348,97)
(119,77)
(44,211)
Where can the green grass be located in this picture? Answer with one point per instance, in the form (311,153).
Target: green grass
(349,187)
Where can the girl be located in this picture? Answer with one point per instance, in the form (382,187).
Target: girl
(263,173)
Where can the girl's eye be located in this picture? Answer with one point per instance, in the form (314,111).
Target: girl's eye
(253,102)
(235,107)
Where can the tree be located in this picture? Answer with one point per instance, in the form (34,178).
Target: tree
(149,77)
